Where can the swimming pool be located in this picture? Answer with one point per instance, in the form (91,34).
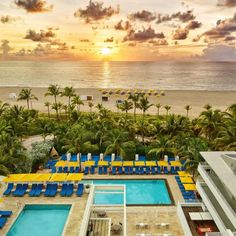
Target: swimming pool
(40,220)
(138,192)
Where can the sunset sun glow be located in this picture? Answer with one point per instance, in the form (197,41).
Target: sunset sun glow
(106,51)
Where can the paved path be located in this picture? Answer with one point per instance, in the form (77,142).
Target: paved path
(32,139)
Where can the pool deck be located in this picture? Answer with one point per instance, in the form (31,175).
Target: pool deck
(135,214)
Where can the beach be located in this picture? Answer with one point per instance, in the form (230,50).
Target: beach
(177,99)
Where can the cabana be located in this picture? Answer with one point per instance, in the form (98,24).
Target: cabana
(102,167)
(116,165)
(128,167)
(164,165)
(175,166)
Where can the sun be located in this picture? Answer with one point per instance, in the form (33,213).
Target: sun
(106,51)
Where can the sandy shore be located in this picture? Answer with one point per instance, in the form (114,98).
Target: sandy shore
(176,99)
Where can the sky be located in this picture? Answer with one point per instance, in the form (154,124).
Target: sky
(119,30)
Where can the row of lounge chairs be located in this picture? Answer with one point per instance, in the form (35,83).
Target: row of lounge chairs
(3,217)
(65,170)
(187,195)
(51,190)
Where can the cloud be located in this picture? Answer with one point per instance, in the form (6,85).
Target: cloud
(143,15)
(219,53)
(223,28)
(5,47)
(42,36)
(143,35)
(229,38)
(226,3)
(180,34)
(8,19)
(95,12)
(34,6)
(159,42)
(181,16)
(109,40)
(193,25)
(123,25)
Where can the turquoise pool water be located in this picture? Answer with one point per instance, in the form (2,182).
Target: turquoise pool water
(40,220)
(138,192)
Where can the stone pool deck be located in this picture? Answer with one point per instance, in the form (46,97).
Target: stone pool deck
(135,214)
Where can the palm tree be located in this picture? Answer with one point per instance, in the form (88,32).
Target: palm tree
(26,94)
(158,106)
(77,102)
(68,92)
(135,99)
(90,104)
(65,108)
(144,105)
(54,90)
(59,107)
(54,106)
(48,104)
(232,109)
(207,107)
(167,107)
(3,107)
(45,127)
(126,106)
(187,108)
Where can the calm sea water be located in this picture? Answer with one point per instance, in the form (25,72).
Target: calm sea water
(148,75)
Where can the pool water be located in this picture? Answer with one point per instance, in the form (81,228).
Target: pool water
(40,220)
(138,192)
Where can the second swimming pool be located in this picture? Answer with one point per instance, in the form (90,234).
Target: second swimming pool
(138,192)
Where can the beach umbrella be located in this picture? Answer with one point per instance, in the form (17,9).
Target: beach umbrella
(54,153)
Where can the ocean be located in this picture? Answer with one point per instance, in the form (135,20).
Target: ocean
(213,76)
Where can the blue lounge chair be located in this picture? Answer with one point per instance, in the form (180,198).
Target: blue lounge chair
(72,169)
(63,190)
(33,189)
(92,170)
(22,192)
(77,169)
(100,172)
(141,170)
(70,190)
(173,170)
(53,191)
(113,170)
(66,170)
(137,170)
(159,170)
(53,170)
(80,190)
(60,170)
(3,221)
(105,170)
(148,170)
(166,170)
(120,170)
(48,190)
(63,157)
(153,170)
(9,189)
(126,169)
(131,170)
(5,213)
(86,170)
(17,190)
(38,190)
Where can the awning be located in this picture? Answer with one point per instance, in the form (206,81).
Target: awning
(73,164)
(139,163)
(187,180)
(75,177)
(183,173)
(190,187)
(42,177)
(103,163)
(151,163)
(14,178)
(128,163)
(89,163)
(162,163)
(176,163)
(58,177)
(60,163)
(29,178)
(116,163)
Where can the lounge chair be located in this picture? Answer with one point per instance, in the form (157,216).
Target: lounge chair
(137,170)
(53,191)
(5,213)
(166,170)
(3,221)
(22,192)
(72,170)
(126,169)
(60,170)
(48,190)
(159,170)
(33,189)
(120,170)
(100,172)
(113,170)
(105,170)
(53,170)
(148,170)
(70,190)
(9,189)
(64,190)
(17,190)
(80,190)
(66,170)
(38,190)
(77,169)
(92,170)
(131,170)
(141,170)
(86,170)
(173,170)
(153,170)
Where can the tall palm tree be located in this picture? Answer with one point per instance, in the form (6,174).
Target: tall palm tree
(126,106)
(54,106)
(65,108)
(167,107)
(207,107)
(77,102)
(135,99)
(144,105)
(90,104)
(232,109)
(68,92)
(158,106)
(187,108)
(54,90)
(60,107)
(26,95)
(45,127)
(48,104)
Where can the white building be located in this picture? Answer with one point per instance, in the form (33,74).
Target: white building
(217,188)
